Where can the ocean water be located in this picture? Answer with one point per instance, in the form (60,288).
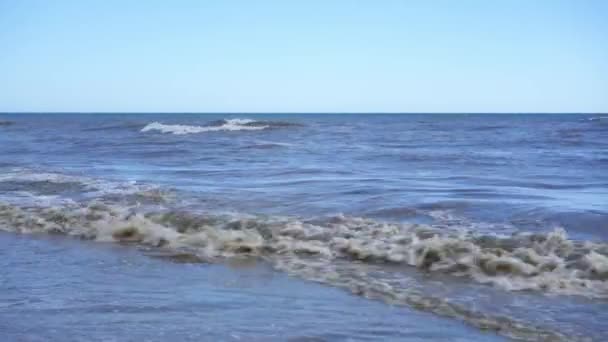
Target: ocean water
(303,227)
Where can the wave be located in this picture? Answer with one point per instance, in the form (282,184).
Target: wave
(186,129)
(490,127)
(221,125)
(6,123)
(386,261)
(32,187)
(125,125)
(269,145)
(337,250)
(541,262)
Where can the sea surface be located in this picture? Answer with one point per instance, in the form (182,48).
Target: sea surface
(303,227)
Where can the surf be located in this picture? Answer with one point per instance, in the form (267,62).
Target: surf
(216,126)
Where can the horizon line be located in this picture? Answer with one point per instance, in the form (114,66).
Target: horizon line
(275,112)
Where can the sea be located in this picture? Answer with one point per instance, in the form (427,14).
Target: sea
(303,227)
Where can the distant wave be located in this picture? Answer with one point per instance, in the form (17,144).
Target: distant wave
(6,123)
(490,128)
(269,145)
(598,118)
(113,127)
(228,125)
(221,125)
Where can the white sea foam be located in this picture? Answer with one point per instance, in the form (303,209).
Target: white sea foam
(240,121)
(338,250)
(227,125)
(547,263)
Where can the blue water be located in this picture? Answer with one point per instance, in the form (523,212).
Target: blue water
(490,177)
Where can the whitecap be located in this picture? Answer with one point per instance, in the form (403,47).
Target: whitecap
(227,125)
(542,262)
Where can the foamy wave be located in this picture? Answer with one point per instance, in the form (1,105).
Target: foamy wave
(345,252)
(240,121)
(220,125)
(547,263)
(226,125)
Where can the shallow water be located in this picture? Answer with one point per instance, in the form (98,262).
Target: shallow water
(75,291)
(492,222)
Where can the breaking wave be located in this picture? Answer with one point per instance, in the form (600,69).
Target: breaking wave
(371,258)
(337,250)
(542,262)
(221,125)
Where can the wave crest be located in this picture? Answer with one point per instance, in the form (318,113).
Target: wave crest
(357,254)
(216,126)
(542,262)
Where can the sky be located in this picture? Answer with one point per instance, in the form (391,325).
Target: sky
(304,56)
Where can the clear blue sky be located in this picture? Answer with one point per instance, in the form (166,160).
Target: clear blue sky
(304,56)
